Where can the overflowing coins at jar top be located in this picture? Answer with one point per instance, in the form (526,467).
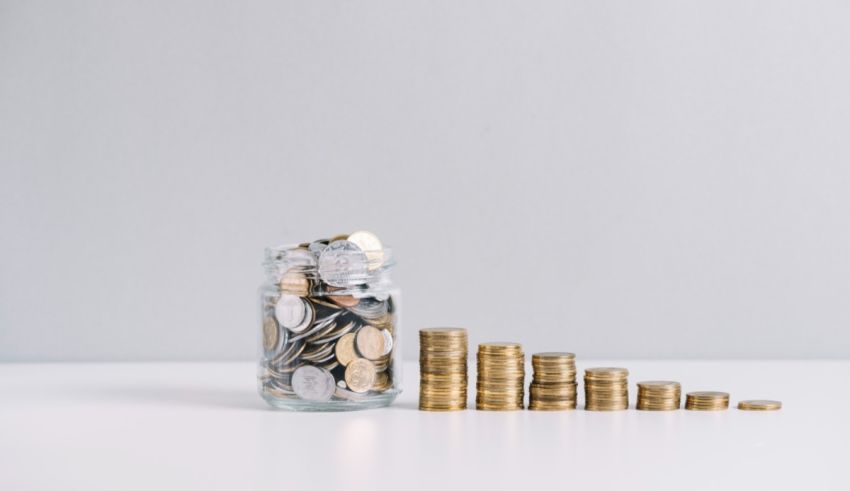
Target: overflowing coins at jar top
(501,377)
(707,401)
(606,389)
(553,386)
(443,369)
(329,328)
(657,395)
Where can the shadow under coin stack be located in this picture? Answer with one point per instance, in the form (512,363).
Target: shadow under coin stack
(501,377)
(606,389)
(707,401)
(553,387)
(659,396)
(442,368)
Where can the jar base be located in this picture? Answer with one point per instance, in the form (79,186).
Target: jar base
(383,399)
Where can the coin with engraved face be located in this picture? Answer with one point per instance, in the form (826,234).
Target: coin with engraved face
(370,342)
(360,375)
(343,264)
(313,383)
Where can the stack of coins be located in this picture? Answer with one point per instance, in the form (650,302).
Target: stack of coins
(606,389)
(707,401)
(760,405)
(501,377)
(553,387)
(442,369)
(659,396)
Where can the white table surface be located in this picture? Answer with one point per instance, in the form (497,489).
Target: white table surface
(155,426)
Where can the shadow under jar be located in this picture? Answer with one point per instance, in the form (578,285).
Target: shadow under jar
(330,331)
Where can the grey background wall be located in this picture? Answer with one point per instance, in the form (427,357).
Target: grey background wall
(616,178)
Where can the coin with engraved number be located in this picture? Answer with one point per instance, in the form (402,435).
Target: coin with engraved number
(370,342)
(313,383)
(345,349)
(360,375)
(343,264)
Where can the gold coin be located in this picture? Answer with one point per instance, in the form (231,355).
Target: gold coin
(270,333)
(760,405)
(295,282)
(371,245)
(370,342)
(345,349)
(360,375)
(606,373)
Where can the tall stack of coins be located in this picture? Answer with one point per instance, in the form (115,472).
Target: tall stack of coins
(659,396)
(707,401)
(606,389)
(553,386)
(442,368)
(501,377)
(329,322)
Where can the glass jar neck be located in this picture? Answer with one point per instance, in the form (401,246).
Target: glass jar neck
(331,271)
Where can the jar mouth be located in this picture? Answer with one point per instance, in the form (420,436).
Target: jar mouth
(337,266)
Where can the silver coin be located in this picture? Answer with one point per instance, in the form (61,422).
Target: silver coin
(388,341)
(313,383)
(343,264)
(290,311)
(316,247)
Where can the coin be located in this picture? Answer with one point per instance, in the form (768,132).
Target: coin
(295,282)
(343,264)
(760,405)
(290,311)
(360,375)
(371,246)
(313,383)
(345,349)
(271,335)
(344,300)
(370,342)
(388,341)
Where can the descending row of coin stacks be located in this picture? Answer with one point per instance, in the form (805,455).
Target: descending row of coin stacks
(707,401)
(501,377)
(606,389)
(659,395)
(553,386)
(442,369)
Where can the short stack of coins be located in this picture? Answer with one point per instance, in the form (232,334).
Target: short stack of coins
(606,389)
(442,368)
(760,405)
(657,395)
(553,386)
(501,377)
(707,401)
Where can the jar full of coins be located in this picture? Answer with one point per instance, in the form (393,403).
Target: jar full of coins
(330,325)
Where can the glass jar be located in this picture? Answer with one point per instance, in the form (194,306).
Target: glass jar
(330,326)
